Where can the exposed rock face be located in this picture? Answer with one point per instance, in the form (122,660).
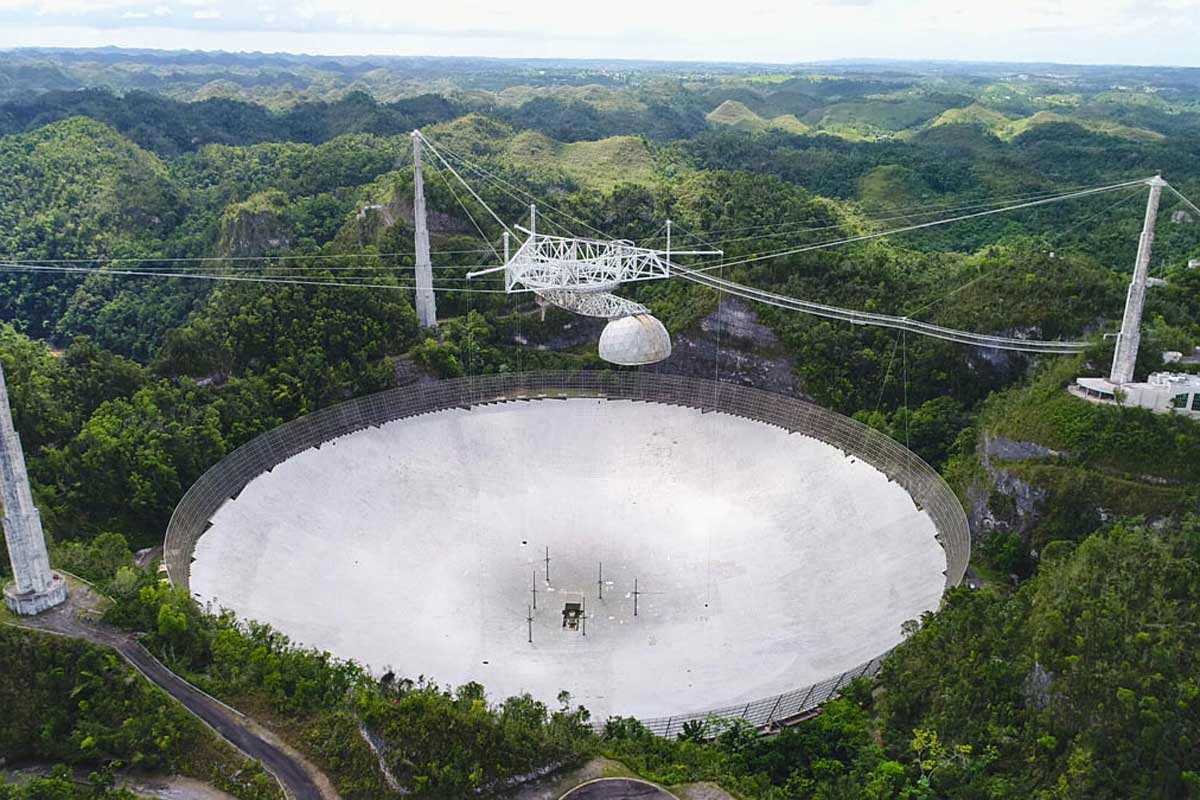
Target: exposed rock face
(255,227)
(750,354)
(732,345)
(1010,450)
(375,218)
(400,208)
(1009,503)
(1037,687)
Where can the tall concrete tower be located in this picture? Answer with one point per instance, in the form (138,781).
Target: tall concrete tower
(425,303)
(1131,323)
(36,588)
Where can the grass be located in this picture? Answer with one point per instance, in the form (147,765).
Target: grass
(1017,127)
(974,114)
(1007,128)
(1128,444)
(871,118)
(893,185)
(601,164)
(1121,496)
(735,114)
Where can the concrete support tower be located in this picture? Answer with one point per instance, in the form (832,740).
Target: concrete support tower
(1131,324)
(426,306)
(36,588)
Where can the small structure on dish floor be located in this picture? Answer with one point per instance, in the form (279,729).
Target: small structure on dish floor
(572,612)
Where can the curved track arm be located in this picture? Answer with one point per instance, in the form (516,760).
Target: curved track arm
(881,320)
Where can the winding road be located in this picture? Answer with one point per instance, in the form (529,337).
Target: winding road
(300,780)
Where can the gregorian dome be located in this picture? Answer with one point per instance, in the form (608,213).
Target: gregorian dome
(635,340)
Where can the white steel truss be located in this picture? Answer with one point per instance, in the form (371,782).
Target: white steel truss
(580,274)
(555,262)
(592,304)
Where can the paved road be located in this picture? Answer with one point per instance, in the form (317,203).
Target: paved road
(230,724)
(289,772)
(618,789)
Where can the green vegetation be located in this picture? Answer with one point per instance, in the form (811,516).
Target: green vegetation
(1077,681)
(73,703)
(1081,684)
(1104,460)
(602,164)
(1132,441)
(737,115)
(61,785)
(436,742)
(1005,127)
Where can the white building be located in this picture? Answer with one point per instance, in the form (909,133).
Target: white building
(1165,392)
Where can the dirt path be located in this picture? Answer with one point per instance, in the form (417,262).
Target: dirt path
(77,618)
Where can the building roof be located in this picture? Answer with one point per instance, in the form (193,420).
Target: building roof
(1097,385)
(1176,381)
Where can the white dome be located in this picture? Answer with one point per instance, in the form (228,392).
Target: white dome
(635,340)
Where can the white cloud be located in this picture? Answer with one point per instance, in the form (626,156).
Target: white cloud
(1129,31)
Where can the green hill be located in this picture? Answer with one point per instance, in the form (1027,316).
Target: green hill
(600,164)
(79,188)
(76,189)
(1006,127)
(973,114)
(1017,127)
(736,114)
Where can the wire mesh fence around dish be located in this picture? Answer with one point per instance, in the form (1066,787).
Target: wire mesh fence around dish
(225,480)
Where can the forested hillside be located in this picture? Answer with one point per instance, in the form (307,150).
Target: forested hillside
(195,249)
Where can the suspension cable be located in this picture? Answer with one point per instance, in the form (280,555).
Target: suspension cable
(1061,234)
(883,320)
(920,226)
(454,172)
(340,283)
(501,182)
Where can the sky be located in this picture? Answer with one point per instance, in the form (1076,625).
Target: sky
(1158,32)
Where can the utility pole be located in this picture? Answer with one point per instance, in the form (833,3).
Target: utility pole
(1131,323)
(547,565)
(583,615)
(425,303)
(635,596)
(600,583)
(529,619)
(533,588)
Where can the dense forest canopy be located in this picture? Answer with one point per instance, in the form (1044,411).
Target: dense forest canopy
(198,247)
